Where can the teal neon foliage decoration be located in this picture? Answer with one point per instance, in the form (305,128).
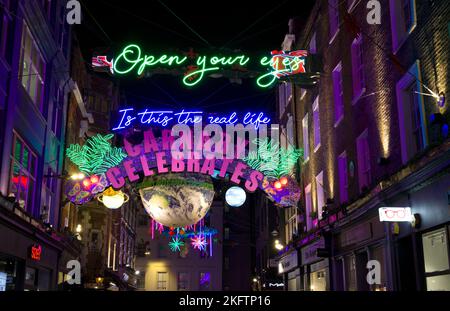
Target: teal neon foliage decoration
(176,244)
(272,160)
(97,155)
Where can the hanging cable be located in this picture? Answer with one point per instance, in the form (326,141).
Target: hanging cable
(184,23)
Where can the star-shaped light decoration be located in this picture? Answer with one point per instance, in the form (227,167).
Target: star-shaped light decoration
(199,242)
(176,244)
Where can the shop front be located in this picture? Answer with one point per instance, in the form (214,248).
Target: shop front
(360,240)
(288,268)
(315,268)
(28,257)
(426,240)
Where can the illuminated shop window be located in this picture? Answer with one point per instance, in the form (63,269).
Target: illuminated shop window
(23,171)
(32,67)
(436,259)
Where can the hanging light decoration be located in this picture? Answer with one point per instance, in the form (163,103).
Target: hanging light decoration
(113,199)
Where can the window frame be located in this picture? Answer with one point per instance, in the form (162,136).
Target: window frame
(334,27)
(32,156)
(358,74)
(366,170)
(338,94)
(305,133)
(36,70)
(316,121)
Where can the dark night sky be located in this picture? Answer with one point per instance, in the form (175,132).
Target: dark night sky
(254,27)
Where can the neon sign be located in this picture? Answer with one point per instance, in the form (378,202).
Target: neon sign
(163,118)
(35,252)
(395,214)
(131,60)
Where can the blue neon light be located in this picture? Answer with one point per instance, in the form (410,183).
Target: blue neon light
(165,117)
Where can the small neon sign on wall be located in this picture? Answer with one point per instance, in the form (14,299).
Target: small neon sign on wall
(35,252)
(395,214)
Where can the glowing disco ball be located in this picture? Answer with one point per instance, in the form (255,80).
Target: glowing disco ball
(235,196)
(177,200)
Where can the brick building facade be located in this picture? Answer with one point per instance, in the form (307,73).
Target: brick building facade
(374,135)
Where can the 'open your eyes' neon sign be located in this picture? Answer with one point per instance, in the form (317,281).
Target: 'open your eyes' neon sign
(131,60)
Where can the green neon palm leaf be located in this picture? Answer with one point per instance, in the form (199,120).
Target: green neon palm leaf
(272,160)
(97,155)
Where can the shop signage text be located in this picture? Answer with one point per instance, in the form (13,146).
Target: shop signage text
(395,214)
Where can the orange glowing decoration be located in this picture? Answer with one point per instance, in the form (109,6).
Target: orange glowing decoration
(94,179)
(87,183)
(284,181)
(277,185)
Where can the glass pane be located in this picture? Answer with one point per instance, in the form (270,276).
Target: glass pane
(17,150)
(26,158)
(205,280)
(440,282)
(435,251)
(319,280)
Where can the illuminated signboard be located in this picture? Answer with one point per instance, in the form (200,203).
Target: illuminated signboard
(129,116)
(395,214)
(35,252)
(131,60)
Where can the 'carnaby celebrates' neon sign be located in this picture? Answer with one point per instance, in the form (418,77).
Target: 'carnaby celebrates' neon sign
(132,60)
(166,117)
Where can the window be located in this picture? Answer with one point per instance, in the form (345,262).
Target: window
(291,223)
(308,204)
(436,259)
(23,172)
(161,281)
(403,20)
(205,281)
(357,68)
(305,137)
(411,114)
(316,119)
(350,273)
(313,44)
(31,67)
(290,130)
(320,194)
(5,19)
(183,281)
(362,148)
(338,94)
(343,178)
(333,14)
